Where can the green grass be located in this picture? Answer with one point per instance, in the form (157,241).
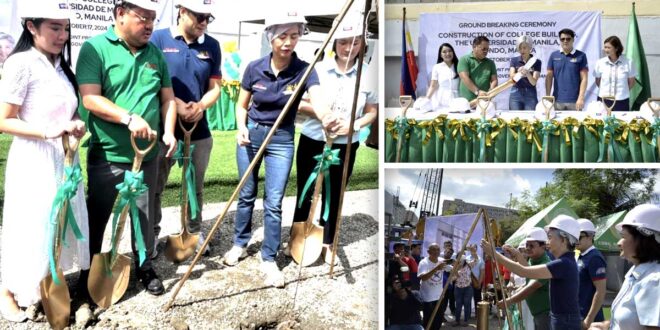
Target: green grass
(222,174)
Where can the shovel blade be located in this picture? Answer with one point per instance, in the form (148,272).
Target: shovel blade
(56,301)
(106,289)
(179,248)
(312,243)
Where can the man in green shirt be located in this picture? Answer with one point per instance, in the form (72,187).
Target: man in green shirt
(126,87)
(535,292)
(478,74)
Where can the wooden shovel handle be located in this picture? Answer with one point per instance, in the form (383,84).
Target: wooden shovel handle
(550,99)
(187,132)
(140,153)
(609,109)
(482,109)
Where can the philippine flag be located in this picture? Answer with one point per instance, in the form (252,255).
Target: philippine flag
(408,63)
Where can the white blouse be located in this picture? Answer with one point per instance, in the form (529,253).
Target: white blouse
(614,77)
(636,304)
(45,95)
(447,85)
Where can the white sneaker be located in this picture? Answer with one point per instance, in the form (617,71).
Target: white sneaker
(287,250)
(273,274)
(200,242)
(234,255)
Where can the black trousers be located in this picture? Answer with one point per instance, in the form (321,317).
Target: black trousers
(426,313)
(305,163)
(102,177)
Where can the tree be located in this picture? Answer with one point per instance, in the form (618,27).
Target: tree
(592,193)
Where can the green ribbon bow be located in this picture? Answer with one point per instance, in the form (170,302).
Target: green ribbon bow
(65,192)
(655,127)
(547,128)
(516,318)
(483,129)
(607,140)
(191,185)
(129,190)
(401,126)
(324,161)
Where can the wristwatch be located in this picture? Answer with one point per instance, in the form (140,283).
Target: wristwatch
(126,119)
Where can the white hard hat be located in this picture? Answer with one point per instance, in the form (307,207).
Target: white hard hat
(350,26)
(198,6)
(522,245)
(536,234)
(289,17)
(646,110)
(586,226)
(567,224)
(596,109)
(422,105)
(144,4)
(645,216)
(45,9)
(459,104)
(539,111)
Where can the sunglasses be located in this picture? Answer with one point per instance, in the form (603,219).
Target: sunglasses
(565,39)
(145,20)
(202,17)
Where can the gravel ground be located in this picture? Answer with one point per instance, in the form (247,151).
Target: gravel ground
(220,297)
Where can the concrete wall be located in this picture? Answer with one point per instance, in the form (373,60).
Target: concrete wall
(615,21)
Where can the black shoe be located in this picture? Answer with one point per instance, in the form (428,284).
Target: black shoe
(82,293)
(151,282)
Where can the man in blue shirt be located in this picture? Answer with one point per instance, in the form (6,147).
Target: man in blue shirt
(567,74)
(193,58)
(592,271)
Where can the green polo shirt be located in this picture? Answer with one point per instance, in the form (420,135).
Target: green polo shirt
(539,301)
(479,71)
(131,81)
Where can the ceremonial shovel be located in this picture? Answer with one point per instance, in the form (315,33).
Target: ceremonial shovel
(55,298)
(609,114)
(405,101)
(181,246)
(307,236)
(499,89)
(108,274)
(550,99)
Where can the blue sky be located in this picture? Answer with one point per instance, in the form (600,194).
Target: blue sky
(483,186)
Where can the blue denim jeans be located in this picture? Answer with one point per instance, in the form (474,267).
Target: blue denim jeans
(522,98)
(278,157)
(463,298)
(565,321)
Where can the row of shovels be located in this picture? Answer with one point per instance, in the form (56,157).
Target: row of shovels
(110,271)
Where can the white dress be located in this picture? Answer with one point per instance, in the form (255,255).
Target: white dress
(34,171)
(447,85)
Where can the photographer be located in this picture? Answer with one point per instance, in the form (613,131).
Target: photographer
(403,307)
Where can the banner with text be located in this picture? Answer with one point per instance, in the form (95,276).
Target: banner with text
(90,18)
(503,29)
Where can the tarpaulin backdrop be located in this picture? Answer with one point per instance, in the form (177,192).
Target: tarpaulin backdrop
(454,228)
(459,29)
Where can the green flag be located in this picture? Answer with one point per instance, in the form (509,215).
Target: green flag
(635,52)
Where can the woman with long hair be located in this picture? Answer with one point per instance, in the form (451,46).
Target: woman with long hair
(444,78)
(337,76)
(38,102)
(267,85)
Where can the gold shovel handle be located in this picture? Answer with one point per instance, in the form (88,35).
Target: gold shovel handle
(482,109)
(652,101)
(187,132)
(609,109)
(186,162)
(140,153)
(550,99)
